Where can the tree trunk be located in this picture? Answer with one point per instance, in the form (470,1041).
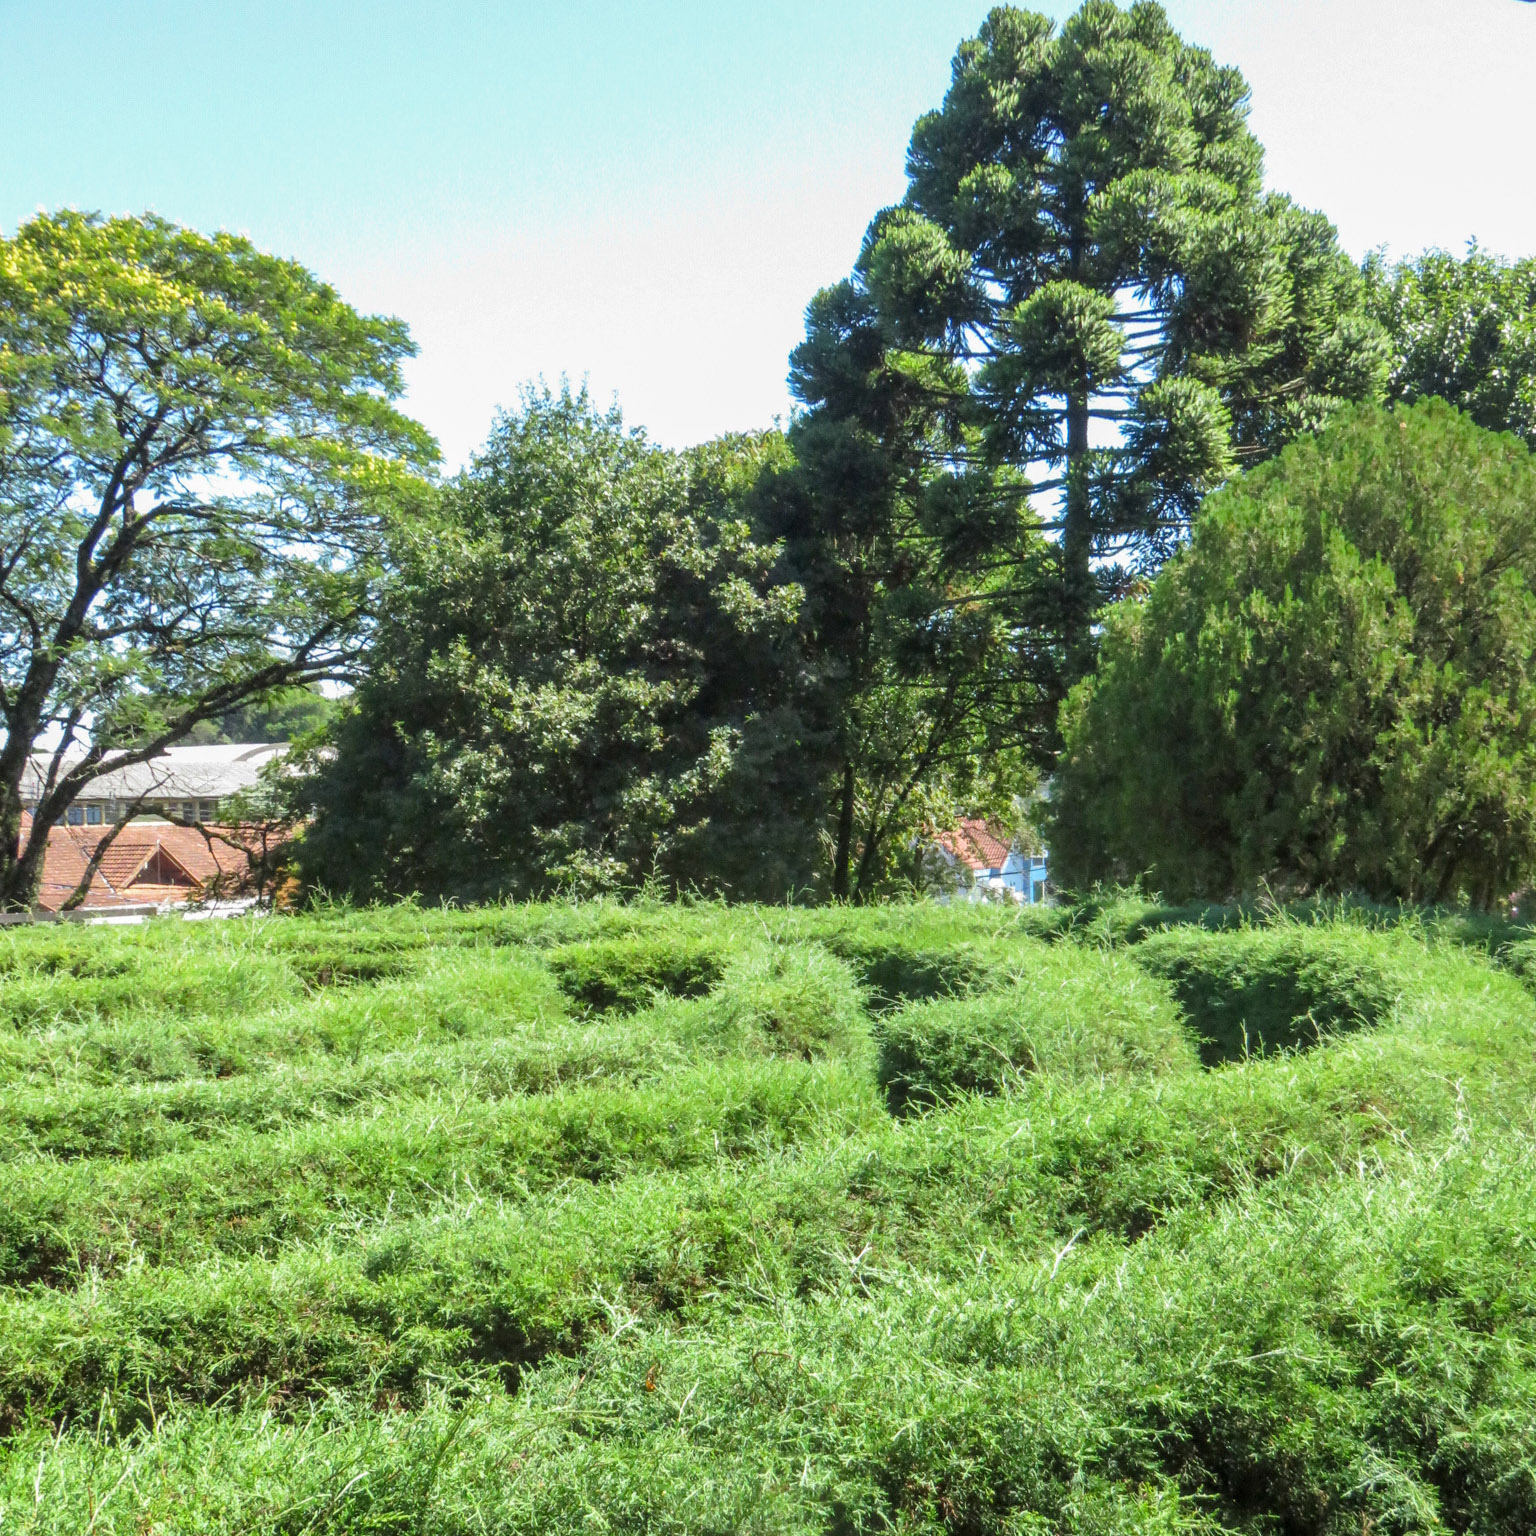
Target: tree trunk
(21,867)
(872,840)
(842,859)
(1079,597)
(21,863)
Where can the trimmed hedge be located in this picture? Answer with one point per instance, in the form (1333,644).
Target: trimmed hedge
(1260,990)
(1071,1011)
(622,975)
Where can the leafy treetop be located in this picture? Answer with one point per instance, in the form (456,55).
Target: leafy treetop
(1463,330)
(198,454)
(1333,688)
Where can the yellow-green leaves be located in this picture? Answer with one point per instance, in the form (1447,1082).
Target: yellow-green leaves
(200,459)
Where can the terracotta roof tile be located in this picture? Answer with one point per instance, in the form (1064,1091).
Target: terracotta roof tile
(976,844)
(122,861)
(146,863)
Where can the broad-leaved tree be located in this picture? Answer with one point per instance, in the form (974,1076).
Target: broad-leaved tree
(199,455)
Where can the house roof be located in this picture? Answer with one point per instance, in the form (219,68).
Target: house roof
(189,773)
(977,844)
(146,863)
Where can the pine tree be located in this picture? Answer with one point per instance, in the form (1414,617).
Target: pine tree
(1089,284)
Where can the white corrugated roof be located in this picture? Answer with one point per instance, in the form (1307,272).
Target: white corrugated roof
(204,772)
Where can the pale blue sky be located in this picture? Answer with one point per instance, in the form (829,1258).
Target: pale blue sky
(648,194)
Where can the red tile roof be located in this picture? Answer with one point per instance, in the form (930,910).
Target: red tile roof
(147,863)
(977,844)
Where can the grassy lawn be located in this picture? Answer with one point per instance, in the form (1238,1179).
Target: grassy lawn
(644,1219)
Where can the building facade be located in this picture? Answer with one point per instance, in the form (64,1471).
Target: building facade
(172,843)
(186,784)
(981,861)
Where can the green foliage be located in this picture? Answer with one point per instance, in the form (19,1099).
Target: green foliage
(1085,251)
(1463,330)
(1332,688)
(625,974)
(199,463)
(1066,1011)
(124,978)
(400,1236)
(561,689)
(1263,990)
(285,715)
(795,1000)
(917,697)
(904,953)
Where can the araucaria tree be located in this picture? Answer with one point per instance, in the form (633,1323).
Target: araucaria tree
(920,669)
(1088,277)
(198,454)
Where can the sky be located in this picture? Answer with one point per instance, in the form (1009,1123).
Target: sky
(646,195)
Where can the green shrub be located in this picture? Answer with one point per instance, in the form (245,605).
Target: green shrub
(1330,687)
(47,979)
(897,972)
(449,1252)
(1262,990)
(796,1001)
(1079,1014)
(458,993)
(338,964)
(250,1194)
(621,975)
(1519,956)
(902,953)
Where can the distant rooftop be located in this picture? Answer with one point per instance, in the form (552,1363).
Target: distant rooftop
(977,844)
(192,773)
(147,866)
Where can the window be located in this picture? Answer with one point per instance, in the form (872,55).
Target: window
(76,815)
(93,815)
(189,810)
(207,810)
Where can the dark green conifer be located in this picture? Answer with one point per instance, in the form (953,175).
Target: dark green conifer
(1088,280)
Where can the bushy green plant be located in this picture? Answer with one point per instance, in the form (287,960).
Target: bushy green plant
(1332,688)
(1065,1011)
(451,1251)
(622,975)
(1463,330)
(792,1000)
(572,656)
(920,949)
(1520,957)
(1273,989)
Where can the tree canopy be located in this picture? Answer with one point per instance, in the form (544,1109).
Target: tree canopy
(920,663)
(1332,688)
(560,694)
(198,458)
(1086,279)
(779,662)
(1463,330)
(285,715)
